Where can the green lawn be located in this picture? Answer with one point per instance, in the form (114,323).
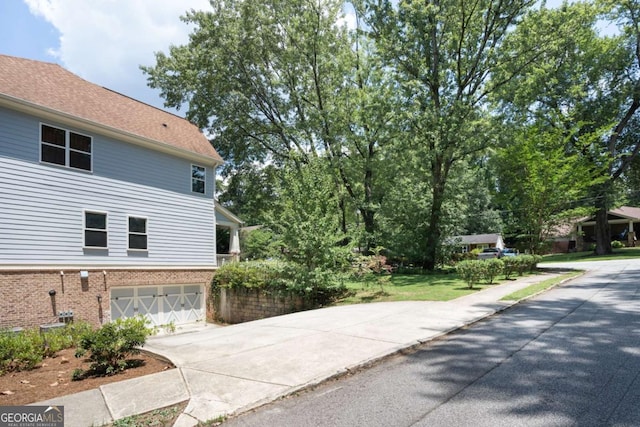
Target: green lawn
(624,253)
(412,287)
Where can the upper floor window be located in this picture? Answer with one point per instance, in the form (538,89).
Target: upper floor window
(137,233)
(65,148)
(198,175)
(95,229)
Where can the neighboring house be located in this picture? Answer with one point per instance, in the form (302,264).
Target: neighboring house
(477,241)
(106,204)
(623,222)
(225,219)
(580,234)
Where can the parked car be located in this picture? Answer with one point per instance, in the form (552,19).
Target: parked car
(509,252)
(488,253)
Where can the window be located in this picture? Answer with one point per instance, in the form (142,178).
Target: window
(137,233)
(65,148)
(197,179)
(95,229)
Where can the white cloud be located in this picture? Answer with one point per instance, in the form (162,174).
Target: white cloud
(105,41)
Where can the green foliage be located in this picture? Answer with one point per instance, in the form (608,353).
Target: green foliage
(261,243)
(20,351)
(492,268)
(537,180)
(617,244)
(581,86)
(510,265)
(317,287)
(305,217)
(372,269)
(281,82)
(26,349)
(527,263)
(60,338)
(111,345)
(471,271)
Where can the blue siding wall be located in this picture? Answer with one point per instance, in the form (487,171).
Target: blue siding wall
(41,206)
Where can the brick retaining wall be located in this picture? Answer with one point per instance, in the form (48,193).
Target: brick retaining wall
(244,305)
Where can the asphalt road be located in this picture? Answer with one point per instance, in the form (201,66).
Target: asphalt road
(571,356)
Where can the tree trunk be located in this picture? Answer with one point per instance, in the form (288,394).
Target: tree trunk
(433,231)
(603,231)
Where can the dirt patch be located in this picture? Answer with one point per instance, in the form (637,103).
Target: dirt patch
(52,378)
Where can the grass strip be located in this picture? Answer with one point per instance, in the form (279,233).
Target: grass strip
(539,287)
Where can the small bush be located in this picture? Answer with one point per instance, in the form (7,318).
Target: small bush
(372,270)
(617,244)
(471,271)
(527,263)
(510,266)
(25,350)
(18,352)
(113,343)
(58,339)
(492,267)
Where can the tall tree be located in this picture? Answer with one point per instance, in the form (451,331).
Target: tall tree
(441,55)
(540,183)
(283,81)
(589,81)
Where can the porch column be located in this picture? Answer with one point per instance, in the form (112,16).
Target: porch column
(234,245)
(579,239)
(631,236)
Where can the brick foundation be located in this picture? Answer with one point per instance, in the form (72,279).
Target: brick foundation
(243,305)
(25,299)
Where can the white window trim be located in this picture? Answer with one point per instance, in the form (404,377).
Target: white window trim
(84,228)
(146,233)
(204,180)
(67,148)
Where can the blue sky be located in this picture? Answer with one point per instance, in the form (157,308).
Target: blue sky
(102,41)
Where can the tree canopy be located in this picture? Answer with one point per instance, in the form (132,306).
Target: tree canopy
(424,119)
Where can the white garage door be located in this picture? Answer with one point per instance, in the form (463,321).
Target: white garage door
(162,305)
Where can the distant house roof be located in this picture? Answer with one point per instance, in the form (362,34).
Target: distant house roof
(628,212)
(477,239)
(48,87)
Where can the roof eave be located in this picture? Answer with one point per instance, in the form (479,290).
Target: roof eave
(68,119)
(225,212)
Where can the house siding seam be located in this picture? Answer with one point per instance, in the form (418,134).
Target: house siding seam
(25,299)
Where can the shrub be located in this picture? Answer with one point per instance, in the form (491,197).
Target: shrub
(510,265)
(492,267)
(67,337)
(471,271)
(617,244)
(527,263)
(24,350)
(316,287)
(112,344)
(21,351)
(372,269)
